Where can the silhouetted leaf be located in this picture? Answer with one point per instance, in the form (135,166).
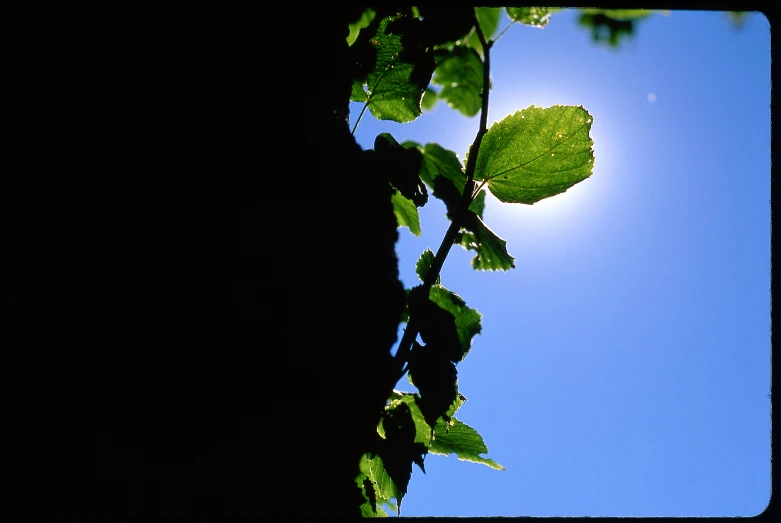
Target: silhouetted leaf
(611,26)
(460,73)
(400,449)
(437,326)
(462,440)
(442,25)
(533,16)
(422,428)
(446,191)
(435,376)
(536,153)
(406,212)
(467,320)
(400,166)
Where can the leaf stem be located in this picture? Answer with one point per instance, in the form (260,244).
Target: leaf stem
(413,325)
(359,118)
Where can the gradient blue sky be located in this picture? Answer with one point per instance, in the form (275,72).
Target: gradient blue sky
(624,364)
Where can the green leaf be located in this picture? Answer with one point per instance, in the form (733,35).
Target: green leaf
(369,508)
(467,320)
(460,73)
(430,99)
(488,18)
(406,212)
(478,204)
(462,440)
(460,400)
(438,161)
(424,264)
(355,27)
(612,26)
(374,468)
(491,250)
(533,16)
(358,93)
(441,170)
(621,14)
(536,153)
(422,428)
(394,88)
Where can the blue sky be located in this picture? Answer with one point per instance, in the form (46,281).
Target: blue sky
(624,364)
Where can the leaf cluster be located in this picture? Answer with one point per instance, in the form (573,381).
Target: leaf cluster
(406,60)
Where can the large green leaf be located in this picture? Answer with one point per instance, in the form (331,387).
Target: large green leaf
(467,320)
(458,438)
(536,153)
(406,212)
(460,73)
(394,89)
(533,16)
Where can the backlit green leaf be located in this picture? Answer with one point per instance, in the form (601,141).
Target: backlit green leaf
(488,17)
(462,440)
(460,73)
(533,16)
(406,212)
(621,14)
(491,250)
(394,89)
(536,153)
(430,98)
(373,467)
(478,204)
(424,264)
(422,429)
(362,22)
(438,161)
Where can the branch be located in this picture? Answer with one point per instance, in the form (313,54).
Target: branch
(413,325)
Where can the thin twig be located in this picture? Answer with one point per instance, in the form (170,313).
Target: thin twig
(413,325)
